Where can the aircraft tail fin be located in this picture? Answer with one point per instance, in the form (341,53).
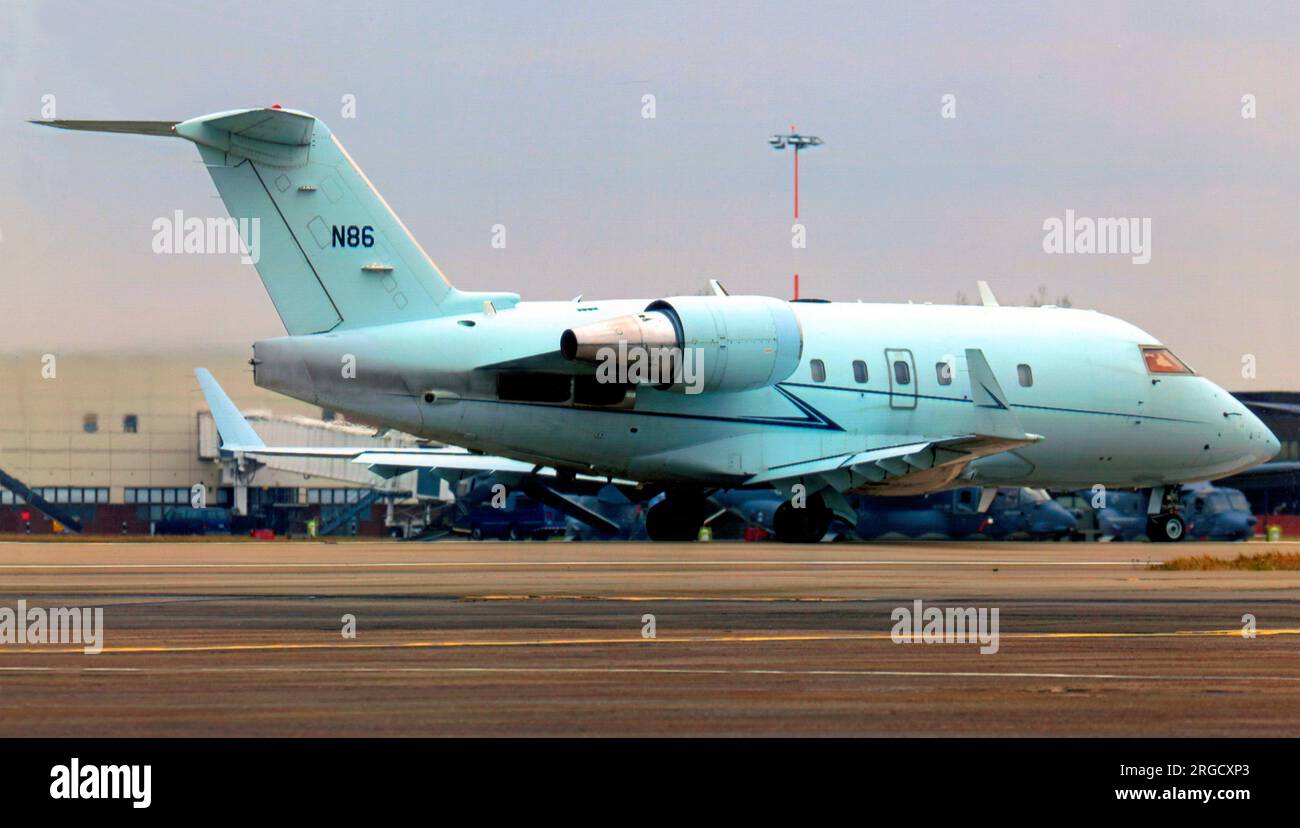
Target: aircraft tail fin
(331,252)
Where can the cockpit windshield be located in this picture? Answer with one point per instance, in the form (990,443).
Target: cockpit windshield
(1161,360)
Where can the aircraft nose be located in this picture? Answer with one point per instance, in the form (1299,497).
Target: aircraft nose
(1267,446)
(1250,436)
(1274,446)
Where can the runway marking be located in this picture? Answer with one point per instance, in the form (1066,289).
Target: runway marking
(588,563)
(568,642)
(719,671)
(764,599)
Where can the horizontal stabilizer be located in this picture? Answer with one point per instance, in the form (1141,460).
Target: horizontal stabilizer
(166,128)
(330,250)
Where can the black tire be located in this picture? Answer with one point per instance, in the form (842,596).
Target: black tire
(1166,529)
(675,519)
(806,525)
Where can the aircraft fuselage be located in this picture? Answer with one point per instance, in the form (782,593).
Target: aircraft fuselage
(1087,390)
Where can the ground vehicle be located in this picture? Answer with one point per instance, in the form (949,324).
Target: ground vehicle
(189,520)
(1216,513)
(1015,513)
(520,517)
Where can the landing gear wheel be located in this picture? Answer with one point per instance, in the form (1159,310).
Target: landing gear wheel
(675,519)
(1166,528)
(806,525)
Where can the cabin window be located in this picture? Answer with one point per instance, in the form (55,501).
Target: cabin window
(818,370)
(902,373)
(943,371)
(1026,374)
(859,371)
(1162,361)
(130,424)
(90,423)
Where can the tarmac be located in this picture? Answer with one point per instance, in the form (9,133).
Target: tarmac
(550,639)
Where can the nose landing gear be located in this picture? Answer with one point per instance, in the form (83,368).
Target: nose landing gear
(1164,524)
(1166,528)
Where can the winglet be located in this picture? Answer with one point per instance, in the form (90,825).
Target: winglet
(236,433)
(987,299)
(993,414)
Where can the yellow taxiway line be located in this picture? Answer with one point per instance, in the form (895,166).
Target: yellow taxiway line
(567,642)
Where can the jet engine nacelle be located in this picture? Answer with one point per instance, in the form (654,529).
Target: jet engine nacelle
(723,343)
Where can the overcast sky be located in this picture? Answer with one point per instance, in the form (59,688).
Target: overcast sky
(530,115)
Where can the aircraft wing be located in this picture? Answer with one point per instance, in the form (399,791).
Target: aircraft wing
(882,465)
(919,465)
(450,462)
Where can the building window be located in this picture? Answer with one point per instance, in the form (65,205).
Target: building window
(130,424)
(859,371)
(944,372)
(902,374)
(143,496)
(818,370)
(1026,374)
(90,423)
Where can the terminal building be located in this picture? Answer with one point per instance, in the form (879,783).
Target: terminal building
(116,441)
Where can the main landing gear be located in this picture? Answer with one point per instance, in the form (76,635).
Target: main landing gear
(1164,524)
(802,525)
(677,517)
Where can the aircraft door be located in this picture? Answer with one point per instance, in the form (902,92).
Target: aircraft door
(902,378)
